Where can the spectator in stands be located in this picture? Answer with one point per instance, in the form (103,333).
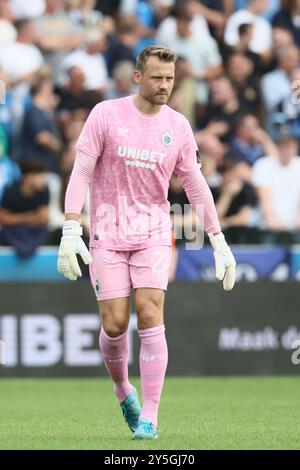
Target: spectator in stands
(215,12)
(8,32)
(234,201)
(241,72)
(276,85)
(198,26)
(281,37)
(90,59)
(272,8)
(24,210)
(122,45)
(250,142)
(7,167)
(276,178)
(27,10)
(74,100)
(6,115)
(110,8)
(72,93)
(245,32)
(122,81)
(185,87)
(21,59)
(57,35)
(73,128)
(262,31)
(212,153)
(222,111)
(183,216)
(9,171)
(289,17)
(146,15)
(287,112)
(83,12)
(40,136)
(207,62)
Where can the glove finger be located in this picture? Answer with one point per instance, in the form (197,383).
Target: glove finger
(74,266)
(229,278)
(65,269)
(62,265)
(86,256)
(59,265)
(220,270)
(70,275)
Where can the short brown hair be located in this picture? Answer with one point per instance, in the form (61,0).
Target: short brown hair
(287,139)
(163,53)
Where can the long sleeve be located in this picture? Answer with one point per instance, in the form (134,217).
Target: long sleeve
(79,182)
(200,197)
(195,185)
(89,148)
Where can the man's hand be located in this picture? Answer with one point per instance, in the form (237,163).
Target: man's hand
(72,244)
(224,260)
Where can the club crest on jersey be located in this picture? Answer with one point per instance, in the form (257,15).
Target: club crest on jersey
(167,138)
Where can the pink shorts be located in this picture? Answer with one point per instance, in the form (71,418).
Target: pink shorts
(115,273)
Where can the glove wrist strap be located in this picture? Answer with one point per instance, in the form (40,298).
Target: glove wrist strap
(72,227)
(217,241)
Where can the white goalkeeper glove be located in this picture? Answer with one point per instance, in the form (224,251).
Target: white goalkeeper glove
(72,244)
(224,260)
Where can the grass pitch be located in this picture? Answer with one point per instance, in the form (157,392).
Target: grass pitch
(195,413)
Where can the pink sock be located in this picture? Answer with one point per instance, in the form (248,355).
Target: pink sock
(115,356)
(153,365)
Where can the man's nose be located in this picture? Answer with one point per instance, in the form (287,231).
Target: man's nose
(163,84)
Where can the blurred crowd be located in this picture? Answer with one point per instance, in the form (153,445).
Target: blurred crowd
(237,82)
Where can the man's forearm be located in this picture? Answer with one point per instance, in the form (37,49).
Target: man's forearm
(223,204)
(265,203)
(78,185)
(40,217)
(49,141)
(10,219)
(200,197)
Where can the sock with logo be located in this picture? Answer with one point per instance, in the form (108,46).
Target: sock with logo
(153,365)
(115,356)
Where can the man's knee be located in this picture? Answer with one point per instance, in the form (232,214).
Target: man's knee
(149,312)
(114,330)
(113,322)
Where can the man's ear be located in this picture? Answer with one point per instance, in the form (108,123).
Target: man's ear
(137,76)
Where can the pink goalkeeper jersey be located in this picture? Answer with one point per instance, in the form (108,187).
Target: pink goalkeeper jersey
(131,157)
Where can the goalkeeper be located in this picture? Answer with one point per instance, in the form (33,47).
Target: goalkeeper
(127,152)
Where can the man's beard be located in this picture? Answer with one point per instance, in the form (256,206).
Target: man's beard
(157,99)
